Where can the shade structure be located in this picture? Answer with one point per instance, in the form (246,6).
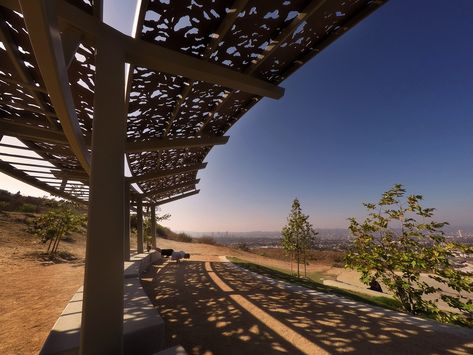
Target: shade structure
(85,97)
(196,67)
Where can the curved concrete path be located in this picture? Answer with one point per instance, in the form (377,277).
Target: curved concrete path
(215,307)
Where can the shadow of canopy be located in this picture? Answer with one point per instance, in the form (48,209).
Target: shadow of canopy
(221,309)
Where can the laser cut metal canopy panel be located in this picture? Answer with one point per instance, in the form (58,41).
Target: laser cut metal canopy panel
(216,60)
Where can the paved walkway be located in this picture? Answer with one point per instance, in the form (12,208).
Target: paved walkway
(214,307)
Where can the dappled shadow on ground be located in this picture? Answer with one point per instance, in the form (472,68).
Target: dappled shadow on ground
(218,308)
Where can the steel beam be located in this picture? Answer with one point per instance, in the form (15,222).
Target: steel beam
(102,312)
(22,84)
(165,173)
(70,43)
(170,189)
(41,22)
(22,107)
(71,175)
(342,28)
(36,149)
(224,27)
(21,71)
(10,170)
(32,133)
(156,57)
(175,198)
(274,44)
(175,143)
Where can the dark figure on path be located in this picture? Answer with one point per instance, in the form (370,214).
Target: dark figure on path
(166,252)
(375,286)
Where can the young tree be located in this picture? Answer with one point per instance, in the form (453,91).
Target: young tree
(288,244)
(55,224)
(399,241)
(298,236)
(307,243)
(147,220)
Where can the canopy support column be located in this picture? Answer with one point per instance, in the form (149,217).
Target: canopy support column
(139,225)
(153,226)
(126,232)
(102,312)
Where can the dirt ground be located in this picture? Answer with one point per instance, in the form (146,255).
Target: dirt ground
(32,293)
(214,307)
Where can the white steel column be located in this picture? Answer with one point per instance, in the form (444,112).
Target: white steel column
(153,226)
(102,314)
(139,225)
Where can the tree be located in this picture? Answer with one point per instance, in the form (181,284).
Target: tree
(400,244)
(53,225)
(288,244)
(298,236)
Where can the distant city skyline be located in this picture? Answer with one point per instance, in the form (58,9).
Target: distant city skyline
(389,102)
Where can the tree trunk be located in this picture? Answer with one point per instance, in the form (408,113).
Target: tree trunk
(57,244)
(298,264)
(290,260)
(57,241)
(305,264)
(54,245)
(49,245)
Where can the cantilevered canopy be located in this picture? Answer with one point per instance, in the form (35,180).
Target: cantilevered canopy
(195,68)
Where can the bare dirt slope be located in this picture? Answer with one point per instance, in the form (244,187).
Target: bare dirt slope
(32,293)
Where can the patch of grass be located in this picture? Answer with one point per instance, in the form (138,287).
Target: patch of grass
(315,283)
(318,277)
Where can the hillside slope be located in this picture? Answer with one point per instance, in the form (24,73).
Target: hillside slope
(32,293)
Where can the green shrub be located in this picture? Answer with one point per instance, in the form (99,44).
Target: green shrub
(28,208)
(183,237)
(206,240)
(244,246)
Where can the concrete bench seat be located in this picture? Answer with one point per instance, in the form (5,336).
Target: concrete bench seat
(143,327)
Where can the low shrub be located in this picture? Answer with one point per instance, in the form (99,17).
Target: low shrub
(183,237)
(206,240)
(28,208)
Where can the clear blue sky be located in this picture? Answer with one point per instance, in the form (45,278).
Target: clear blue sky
(391,101)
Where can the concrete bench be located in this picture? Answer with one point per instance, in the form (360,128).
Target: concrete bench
(143,327)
